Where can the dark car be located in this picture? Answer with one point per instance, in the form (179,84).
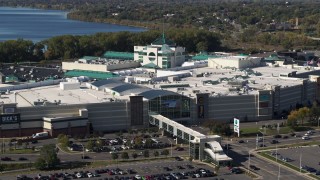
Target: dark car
(241,141)
(34,141)
(167,168)
(262,145)
(277,136)
(6,159)
(190,166)
(178,158)
(85,157)
(236,170)
(180,167)
(285,137)
(311,169)
(254,167)
(318,172)
(274,141)
(22,159)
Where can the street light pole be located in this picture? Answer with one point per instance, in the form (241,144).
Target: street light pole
(249,162)
(279,172)
(300,161)
(171,146)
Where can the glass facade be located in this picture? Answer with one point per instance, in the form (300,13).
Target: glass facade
(172,107)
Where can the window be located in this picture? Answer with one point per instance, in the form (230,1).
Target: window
(152,54)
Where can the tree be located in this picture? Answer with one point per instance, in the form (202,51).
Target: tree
(114,156)
(40,164)
(134,155)
(303,113)
(148,143)
(19,143)
(90,145)
(63,140)
(146,153)
(293,119)
(48,155)
(314,113)
(26,145)
(156,153)
(125,155)
(165,152)
(99,143)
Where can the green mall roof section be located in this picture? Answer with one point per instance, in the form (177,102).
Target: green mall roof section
(163,40)
(273,57)
(151,65)
(118,55)
(89,58)
(90,74)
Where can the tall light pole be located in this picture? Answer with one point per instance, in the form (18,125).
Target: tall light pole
(249,162)
(279,172)
(276,153)
(82,152)
(300,161)
(257,141)
(171,146)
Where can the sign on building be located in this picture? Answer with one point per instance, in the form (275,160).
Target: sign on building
(9,118)
(236,126)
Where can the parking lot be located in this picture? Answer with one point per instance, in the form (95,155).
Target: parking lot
(305,158)
(164,169)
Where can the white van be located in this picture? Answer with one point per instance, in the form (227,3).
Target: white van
(40,134)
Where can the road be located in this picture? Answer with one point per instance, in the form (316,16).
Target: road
(268,170)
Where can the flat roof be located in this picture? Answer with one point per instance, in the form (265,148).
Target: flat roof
(26,97)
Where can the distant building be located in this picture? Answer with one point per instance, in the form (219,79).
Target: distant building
(162,53)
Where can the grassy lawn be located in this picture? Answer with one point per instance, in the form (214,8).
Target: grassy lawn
(253,131)
(21,151)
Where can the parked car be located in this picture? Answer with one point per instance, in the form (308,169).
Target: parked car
(6,159)
(22,159)
(273,141)
(305,137)
(277,136)
(241,141)
(254,167)
(236,170)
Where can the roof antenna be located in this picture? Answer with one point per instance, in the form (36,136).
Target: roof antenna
(163,36)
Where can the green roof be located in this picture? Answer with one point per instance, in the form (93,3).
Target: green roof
(11,78)
(118,55)
(163,40)
(273,57)
(90,74)
(90,57)
(151,65)
(201,57)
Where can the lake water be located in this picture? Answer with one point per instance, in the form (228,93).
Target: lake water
(37,24)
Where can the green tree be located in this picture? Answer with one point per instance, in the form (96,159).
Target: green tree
(148,143)
(90,145)
(146,153)
(26,145)
(156,153)
(125,155)
(114,156)
(40,164)
(134,155)
(165,152)
(63,140)
(48,154)
(314,114)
